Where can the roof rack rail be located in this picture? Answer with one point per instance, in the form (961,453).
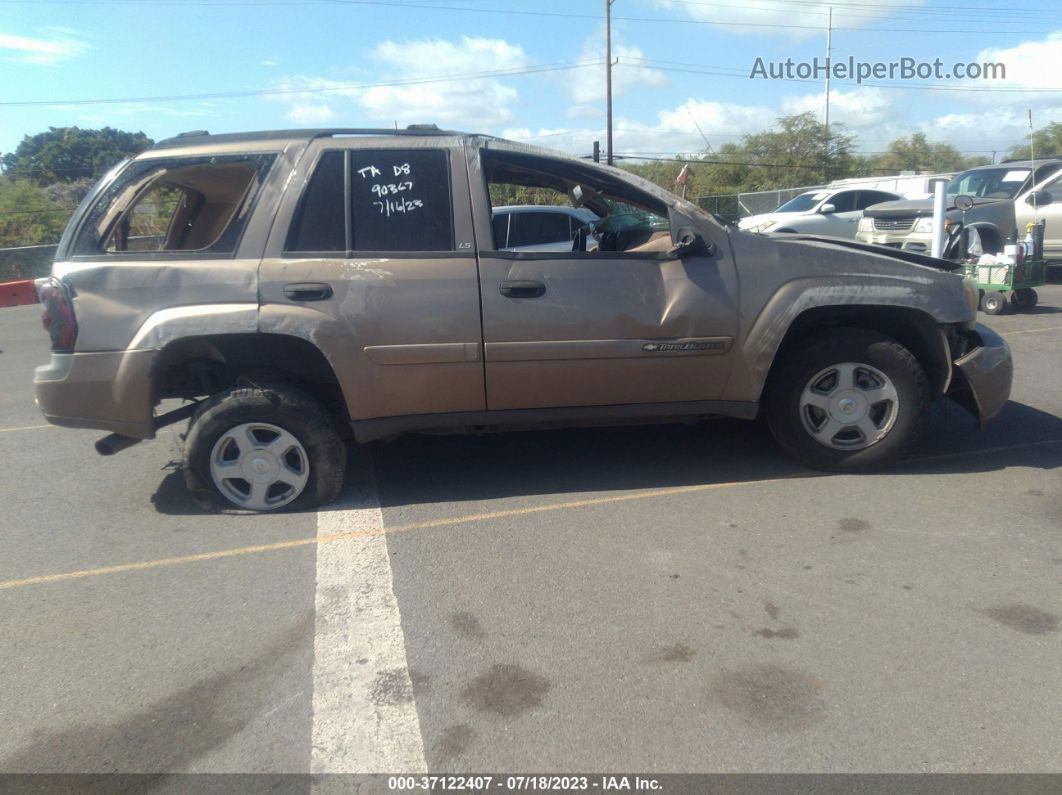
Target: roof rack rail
(306,134)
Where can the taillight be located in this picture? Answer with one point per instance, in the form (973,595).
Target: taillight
(58,316)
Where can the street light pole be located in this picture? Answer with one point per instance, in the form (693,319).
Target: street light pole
(608,81)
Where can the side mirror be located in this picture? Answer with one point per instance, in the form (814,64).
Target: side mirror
(828,208)
(688,244)
(1039,198)
(963,203)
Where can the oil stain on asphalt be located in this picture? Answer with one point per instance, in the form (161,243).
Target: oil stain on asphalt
(1023,618)
(785,633)
(676,652)
(453,742)
(467,626)
(853,525)
(506,690)
(772,696)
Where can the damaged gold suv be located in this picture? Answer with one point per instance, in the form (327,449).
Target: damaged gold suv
(299,288)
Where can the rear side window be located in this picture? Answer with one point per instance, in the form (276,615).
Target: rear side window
(178,205)
(319,223)
(375,200)
(843,202)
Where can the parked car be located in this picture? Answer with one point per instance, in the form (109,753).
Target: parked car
(820,212)
(303,287)
(531,227)
(1003,204)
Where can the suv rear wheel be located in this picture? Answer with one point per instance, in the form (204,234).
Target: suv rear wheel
(854,399)
(265,448)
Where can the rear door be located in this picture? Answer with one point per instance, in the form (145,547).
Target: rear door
(600,328)
(371,258)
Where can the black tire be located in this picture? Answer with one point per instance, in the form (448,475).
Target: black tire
(993,303)
(280,406)
(1024,298)
(782,402)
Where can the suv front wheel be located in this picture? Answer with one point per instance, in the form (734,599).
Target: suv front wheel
(264,448)
(849,399)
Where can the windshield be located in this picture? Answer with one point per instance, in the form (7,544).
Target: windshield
(989,183)
(803,202)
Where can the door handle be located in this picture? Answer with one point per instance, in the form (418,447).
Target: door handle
(522,289)
(308,291)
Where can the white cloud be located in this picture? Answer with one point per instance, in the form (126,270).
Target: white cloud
(269,62)
(1029,65)
(309,113)
(999,128)
(45,52)
(809,19)
(475,102)
(317,103)
(586,86)
(684,128)
(859,108)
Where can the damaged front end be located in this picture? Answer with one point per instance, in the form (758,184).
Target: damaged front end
(982,371)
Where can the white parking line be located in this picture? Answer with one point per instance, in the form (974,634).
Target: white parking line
(364,718)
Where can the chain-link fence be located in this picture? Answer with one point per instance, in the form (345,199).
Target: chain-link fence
(733,206)
(26,262)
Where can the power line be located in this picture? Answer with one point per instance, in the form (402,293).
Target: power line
(309,89)
(716,71)
(556,14)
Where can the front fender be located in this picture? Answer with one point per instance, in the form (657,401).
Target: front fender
(768,330)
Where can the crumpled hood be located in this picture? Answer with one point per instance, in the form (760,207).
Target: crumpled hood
(915,208)
(870,248)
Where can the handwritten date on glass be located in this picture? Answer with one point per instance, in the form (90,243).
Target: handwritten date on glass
(390,206)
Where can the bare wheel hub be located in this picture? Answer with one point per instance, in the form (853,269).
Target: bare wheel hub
(849,406)
(259,466)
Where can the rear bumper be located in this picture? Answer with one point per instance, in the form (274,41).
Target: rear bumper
(983,376)
(110,391)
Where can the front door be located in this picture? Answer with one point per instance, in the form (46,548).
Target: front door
(1050,214)
(603,327)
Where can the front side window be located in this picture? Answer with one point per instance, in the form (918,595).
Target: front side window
(179,205)
(627,219)
(375,201)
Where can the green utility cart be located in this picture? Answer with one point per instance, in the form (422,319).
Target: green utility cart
(995,281)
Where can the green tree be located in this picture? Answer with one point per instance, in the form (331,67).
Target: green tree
(27,216)
(1048,143)
(798,152)
(65,154)
(917,154)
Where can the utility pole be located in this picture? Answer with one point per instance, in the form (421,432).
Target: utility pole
(608,81)
(829,41)
(829,37)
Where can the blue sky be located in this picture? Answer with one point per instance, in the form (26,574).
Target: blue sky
(535,76)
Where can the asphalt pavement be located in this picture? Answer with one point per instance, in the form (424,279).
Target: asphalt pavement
(661,599)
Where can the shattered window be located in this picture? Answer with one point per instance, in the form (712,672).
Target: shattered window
(177,205)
